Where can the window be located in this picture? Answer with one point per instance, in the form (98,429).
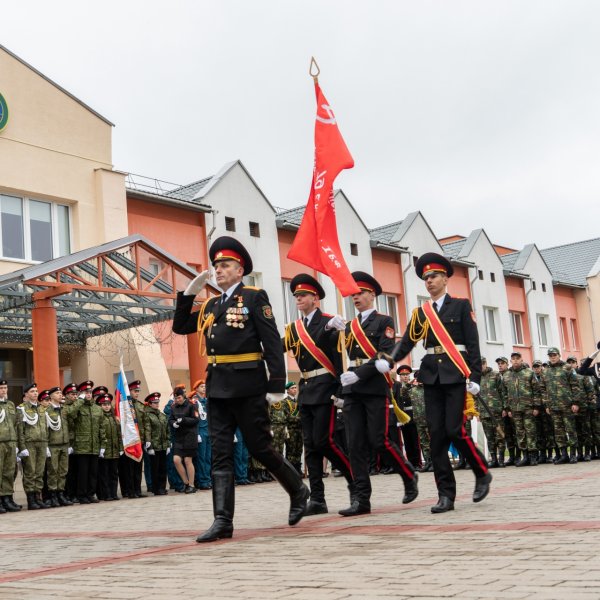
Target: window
(574,335)
(291,313)
(516,321)
(387,304)
(229,223)
(493,277)
(33,230)
(349,308)
(254,229)
(562,322)
(533,285)
(491,321)
(354,249)
(480,274)
(415,259)
(543,329)
(423,300)
(543,287)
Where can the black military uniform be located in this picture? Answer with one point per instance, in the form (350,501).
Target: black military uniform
(317,387)
(445,384)
(241,340)
(366,406)
(410,435)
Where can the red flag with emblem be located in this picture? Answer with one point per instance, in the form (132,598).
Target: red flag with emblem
(316,244)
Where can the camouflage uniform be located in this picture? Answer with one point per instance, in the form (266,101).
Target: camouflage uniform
(544,431)
(595,418)
(294,443)
(585,417)
(492,393)
(562,393)
(58,442)
(278,413)
(8,445)
(524,394)
(417,394)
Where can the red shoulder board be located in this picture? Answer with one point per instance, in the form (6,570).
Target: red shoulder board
(327,315)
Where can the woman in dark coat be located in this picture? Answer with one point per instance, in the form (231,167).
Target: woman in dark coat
(183,422)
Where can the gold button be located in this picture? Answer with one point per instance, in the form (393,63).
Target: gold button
(439,360)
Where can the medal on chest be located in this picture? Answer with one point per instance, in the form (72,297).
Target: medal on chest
(237,315)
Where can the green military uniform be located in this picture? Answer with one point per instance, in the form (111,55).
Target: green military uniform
(592,403)
(8,455)
(417,396)
(113,444)
(562,392)
(57,423)
(294,443)
(278,413)
(156,431)
(492,393)
(524,394)
(585,417)
(544,428)
(32,437)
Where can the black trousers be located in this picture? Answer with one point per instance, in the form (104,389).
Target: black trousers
(130,476)
(158,467)
(444,406)
(108,477)
(410,435)
(318,428)
(251,415)
(87,475)
(366,419)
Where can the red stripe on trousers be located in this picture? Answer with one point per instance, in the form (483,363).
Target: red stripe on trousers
(332,443)
(399,459)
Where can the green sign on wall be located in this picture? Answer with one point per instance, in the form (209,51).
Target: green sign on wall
(3,112)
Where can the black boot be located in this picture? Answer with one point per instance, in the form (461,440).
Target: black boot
(64,501)
(316,508)
(298,467)
(524,461)
(9,504)
(580,454)
(595,452)
(291,482)
(511,457)
(13,503)
(41,502)
(32,502)
(518,454)
(54,503)
(573,458)
(3,510)
(533,458)
(557,455)
(542,456)
(563,459)
(588,454)
(493,464)
(223,494)
(411,489)
(501,460)
(482,487)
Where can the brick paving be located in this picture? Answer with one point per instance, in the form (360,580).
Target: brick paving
(536,535)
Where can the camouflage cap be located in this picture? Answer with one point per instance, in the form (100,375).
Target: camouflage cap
(502,359)
(537,363)
(572,359)
(553,350)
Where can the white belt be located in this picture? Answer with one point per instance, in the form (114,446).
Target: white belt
(358,362)
(315,373)
(440,349)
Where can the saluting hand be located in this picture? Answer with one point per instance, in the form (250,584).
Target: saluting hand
(197,284)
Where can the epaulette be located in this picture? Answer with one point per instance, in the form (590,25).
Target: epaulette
(252,287)
(327,315)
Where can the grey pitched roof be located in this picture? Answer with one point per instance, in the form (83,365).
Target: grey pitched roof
(290,216)
(385,233)
(454,249)
(571,263)
(509,260)
(166,192)
(189,191)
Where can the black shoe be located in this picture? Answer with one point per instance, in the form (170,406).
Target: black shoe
(356,508)
(542,460)
(291,481)
(533,458)
(54,502)
(337,473)
(493,464)
(524,461)
(84,500)
(462,464)
(482,487)
(444,505)
(573,458)
(140,495)
(32,501)
(3,510)
(219,530)
(64,501)
(93,500)
(41,502)
(387,471)
(411,489)
(563,459)
(511,458)
(316,508)
(9,504)
(190,490)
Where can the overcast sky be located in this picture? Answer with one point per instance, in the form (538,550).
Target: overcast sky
(478,113)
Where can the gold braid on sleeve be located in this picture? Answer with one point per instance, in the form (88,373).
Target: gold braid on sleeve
(349,340)
(291,345)
(417,330)
(205,322)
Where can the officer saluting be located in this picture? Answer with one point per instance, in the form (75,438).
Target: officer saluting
(449,333)
(241,336)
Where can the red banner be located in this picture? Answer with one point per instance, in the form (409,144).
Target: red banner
(316,244)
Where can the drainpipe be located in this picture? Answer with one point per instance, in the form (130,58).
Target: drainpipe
(529,317)
(471,282)
(587,294)
(210,233)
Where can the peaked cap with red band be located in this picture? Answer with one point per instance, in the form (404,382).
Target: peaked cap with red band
(104,398)
(366,282)
(404,369)
(86,385)
(44,395)
(227,248)
(304,283)
(69,388)
(153,397)
(431,262)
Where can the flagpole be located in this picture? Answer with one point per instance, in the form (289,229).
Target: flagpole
(342,340)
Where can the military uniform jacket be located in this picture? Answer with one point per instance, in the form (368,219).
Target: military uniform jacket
(418,401)
(259,334)
(457,317)
(561,387)
(402,394)
(379,329)
(278,413)
(319,389)
(112,434)
(140,417)
(522,389)
(57,422)
(186,435)
(157,429)
(86,421)
(8,420)
(294,420)
(492,392)
(31,425)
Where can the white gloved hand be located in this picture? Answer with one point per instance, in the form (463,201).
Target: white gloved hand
(382,365)
(199,439)
(70,450)
(235,440)
(168,450)
(17,451)
(336,322)
(197,284)
(147,445)
(179,420)
(24,453)
(48,453)
(101,453)
(473,388)
(176,425)
(273,397)
(120,452)
(151,452)
(348,378)
(338,402)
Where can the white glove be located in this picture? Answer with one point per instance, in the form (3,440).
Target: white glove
(17,451)
(147,445)
(101,453)
(336,322)
(176,425)
(169,450)
(594,354)
(338,402)
(151,452)
(24,453)
(179,420)
(382,365)
(473,388)
(235,440)
(199,438)
(48,453)
(197,284)
(70,450)
(120,452)
(348,378)
(273,397)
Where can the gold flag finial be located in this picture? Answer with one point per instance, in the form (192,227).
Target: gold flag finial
(314,70)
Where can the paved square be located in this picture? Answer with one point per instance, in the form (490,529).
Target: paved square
(536,535)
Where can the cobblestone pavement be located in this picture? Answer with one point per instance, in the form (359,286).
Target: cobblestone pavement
(536,535)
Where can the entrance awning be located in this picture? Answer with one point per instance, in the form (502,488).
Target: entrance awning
(117,285)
